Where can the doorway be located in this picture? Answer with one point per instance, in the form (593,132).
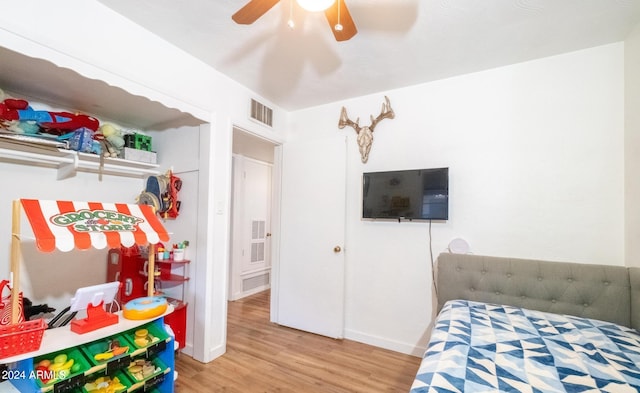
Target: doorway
(250,262)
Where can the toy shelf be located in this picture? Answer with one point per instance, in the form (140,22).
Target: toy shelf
(168,279)
(172,278)
(166,274)
(60,339)
(169,263)
(69,162)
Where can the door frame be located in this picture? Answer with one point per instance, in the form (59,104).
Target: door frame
(276,206)
(276,191)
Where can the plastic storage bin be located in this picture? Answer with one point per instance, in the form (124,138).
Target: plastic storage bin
(116,383)
(146,336)
(60,366)
(107,350)
(150,372)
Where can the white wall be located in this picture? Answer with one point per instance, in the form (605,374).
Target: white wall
(184,162)
(535,152)
(632,147)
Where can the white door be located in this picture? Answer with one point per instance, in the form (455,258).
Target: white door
(251,262)
(311,267)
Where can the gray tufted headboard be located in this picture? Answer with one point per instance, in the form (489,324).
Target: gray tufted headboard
(634,279)
(593,291)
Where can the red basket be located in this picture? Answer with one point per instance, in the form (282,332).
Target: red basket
(21,337)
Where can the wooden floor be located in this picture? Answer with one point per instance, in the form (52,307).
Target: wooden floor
(264,357)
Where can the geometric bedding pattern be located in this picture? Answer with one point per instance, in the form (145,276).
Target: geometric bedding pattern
(479,347)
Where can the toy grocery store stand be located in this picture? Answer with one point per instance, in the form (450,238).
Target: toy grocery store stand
(80,357)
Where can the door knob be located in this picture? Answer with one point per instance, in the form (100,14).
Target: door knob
(268,235)
(337,249)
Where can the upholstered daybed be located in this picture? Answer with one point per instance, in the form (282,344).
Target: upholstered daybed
(521,325)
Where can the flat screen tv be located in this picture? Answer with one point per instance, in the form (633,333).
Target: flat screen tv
(415,194)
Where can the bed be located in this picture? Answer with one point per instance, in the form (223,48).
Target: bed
(515,325)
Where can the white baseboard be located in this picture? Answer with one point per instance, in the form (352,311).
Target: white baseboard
(382,342)
(216,352)
(240,295)
(187,350)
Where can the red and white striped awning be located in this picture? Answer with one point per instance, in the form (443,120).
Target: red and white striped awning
(66,225)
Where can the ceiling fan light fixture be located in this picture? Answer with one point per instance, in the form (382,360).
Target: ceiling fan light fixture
(315,5)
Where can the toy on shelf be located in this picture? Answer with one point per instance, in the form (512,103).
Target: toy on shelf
(161,192)
(138,141)
(111,140)
(144,307)
(93,299)
(81,140)
(15,126)
(18,110)
(17,335)
(179,251)
(55,367)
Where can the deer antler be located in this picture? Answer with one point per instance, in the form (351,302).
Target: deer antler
(344,121)
(365,133)
(385,113)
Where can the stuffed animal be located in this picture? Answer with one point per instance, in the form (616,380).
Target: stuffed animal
(20,127)
(113,135)
(17,126)
(6,104)
(52,122)
(111,141)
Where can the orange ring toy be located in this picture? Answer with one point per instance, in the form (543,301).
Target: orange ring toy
(144,307)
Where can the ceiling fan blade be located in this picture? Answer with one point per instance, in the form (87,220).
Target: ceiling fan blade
(252,11)
(348,26)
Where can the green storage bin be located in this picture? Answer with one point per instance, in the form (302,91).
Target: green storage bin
(79,366)
(103,346)
(159,368)
(122,378)
(154,335)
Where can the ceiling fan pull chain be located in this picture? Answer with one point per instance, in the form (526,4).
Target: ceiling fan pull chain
(290,23)
(338,26)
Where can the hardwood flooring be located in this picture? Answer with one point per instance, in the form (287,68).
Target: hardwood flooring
(265,357)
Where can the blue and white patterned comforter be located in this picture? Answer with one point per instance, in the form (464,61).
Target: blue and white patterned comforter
(479,347)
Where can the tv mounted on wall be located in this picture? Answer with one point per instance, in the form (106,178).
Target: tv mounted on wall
(415,194)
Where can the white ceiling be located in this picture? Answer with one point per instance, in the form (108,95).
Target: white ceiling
(399,42)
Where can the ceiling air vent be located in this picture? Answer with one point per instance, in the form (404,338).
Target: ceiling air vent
(261,113)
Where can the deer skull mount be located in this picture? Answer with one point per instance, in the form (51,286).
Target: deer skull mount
(365,134)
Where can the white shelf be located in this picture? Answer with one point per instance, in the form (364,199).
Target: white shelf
(69,162)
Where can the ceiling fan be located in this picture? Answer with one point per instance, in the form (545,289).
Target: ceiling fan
(336,12)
